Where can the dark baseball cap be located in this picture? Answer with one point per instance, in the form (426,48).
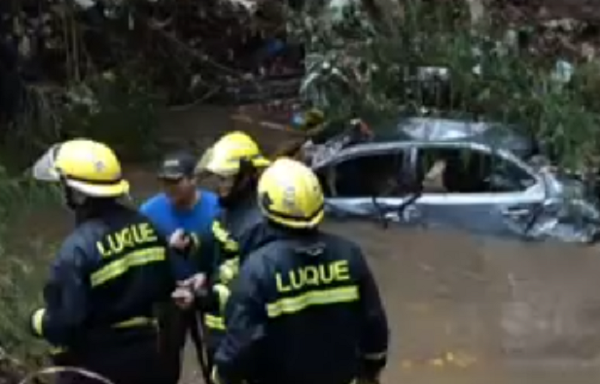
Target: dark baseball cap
(177,165)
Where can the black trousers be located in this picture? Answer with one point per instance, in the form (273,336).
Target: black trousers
(175,325)
(130,361)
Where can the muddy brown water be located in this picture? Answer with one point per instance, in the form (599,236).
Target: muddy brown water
(462,309)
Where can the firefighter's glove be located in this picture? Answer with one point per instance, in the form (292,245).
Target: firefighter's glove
(36,322)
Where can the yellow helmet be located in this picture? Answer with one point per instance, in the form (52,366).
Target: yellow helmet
(225,156)
(289,193)
(90,167)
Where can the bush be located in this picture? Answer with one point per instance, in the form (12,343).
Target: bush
(22,274)
(116,107)
(379,70)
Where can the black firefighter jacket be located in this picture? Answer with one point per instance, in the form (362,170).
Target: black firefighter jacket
(105,279)
(303,310)
(235,233)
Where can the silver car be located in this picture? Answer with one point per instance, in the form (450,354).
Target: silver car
(479,177)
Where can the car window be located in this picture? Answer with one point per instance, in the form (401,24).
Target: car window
(464,170)
(365,176)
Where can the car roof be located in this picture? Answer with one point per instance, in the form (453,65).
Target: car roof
(437,130)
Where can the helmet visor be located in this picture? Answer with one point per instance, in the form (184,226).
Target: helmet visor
(44,169)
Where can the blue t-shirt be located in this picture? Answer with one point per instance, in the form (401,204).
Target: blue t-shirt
(198,220)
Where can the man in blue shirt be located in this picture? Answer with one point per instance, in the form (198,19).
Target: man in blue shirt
(184,214)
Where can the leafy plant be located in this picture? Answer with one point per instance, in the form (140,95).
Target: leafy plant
(23,267)
(430,61)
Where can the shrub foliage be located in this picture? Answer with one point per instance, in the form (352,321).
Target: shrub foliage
(430,60)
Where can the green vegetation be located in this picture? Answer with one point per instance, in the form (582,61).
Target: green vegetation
(493,74)
(116,107)
(23,268)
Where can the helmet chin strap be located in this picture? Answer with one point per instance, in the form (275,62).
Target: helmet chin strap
(242,185)
(74,200)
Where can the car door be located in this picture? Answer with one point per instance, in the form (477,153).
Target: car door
(500,195)
(367,181)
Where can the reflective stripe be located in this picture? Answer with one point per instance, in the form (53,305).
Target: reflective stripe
(57,350)
(223,293)
(228,270)
(214,376)
(37,321)
(135,322)
(296,304)
(120,266)
(224,238)
(214,322)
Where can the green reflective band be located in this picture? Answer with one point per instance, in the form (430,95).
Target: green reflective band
(38,321)
(120,266)
(291,305)
(224,238)
(223,293)
(228,270)
(214,322)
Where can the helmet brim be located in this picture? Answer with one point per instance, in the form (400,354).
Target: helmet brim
(293,223)
(117,189)
(219,168)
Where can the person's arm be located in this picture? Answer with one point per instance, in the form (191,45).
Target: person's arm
(246,321)
(66,298)
(375,331)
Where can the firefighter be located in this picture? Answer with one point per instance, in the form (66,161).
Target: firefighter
(236,161)
(304,308)
(182,208)
(107,275)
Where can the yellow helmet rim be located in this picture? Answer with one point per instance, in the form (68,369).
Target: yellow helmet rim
(294,221)
(99,190)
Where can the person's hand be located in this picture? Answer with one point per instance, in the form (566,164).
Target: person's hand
(183,297)
(195,282)
(179,240)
